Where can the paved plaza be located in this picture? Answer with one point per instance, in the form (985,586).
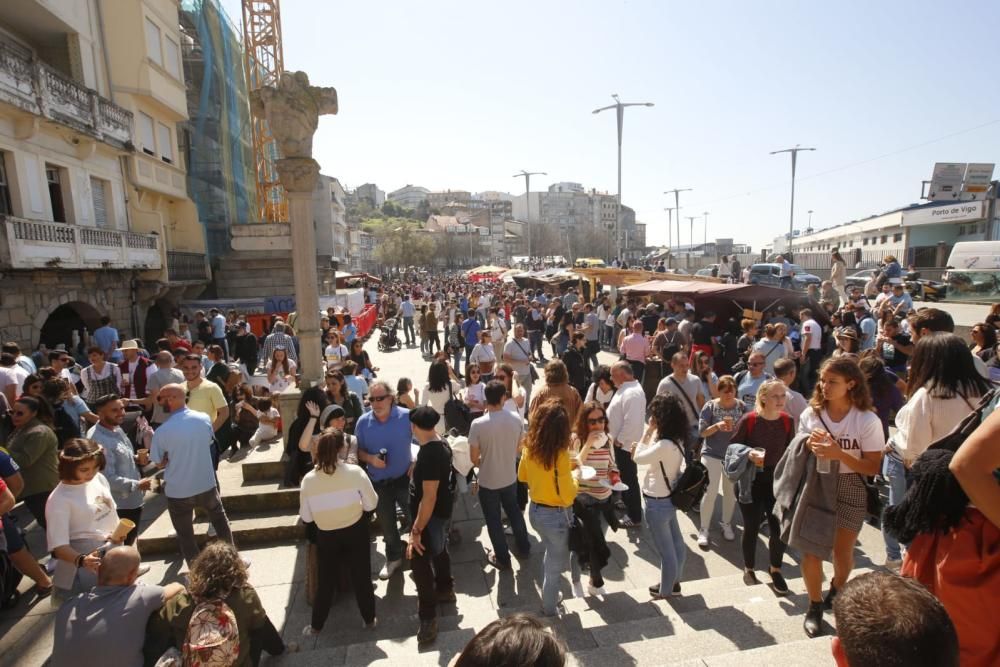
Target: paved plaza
(717,621)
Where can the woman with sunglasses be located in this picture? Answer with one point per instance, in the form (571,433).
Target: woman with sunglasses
(475,390)
(339,394)
(335,353)
(361,358)
(591,447)
(515,397)
(716,423)
(33,445)
(703,369)
(483,356)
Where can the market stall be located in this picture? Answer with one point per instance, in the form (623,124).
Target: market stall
(726,300)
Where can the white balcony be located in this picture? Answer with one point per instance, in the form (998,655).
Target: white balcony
(33,244)
(32,86)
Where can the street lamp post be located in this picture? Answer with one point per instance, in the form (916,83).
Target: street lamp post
(619,108)
(527,201)
(670,222)
(706,229)
(677,207)
(791,214)
(810,212)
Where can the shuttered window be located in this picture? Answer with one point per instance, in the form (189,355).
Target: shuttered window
(98,192)
(4,189)
(147,138)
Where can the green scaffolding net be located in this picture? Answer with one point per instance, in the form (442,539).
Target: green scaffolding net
(217,138)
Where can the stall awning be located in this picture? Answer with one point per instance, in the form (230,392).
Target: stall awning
(726,298)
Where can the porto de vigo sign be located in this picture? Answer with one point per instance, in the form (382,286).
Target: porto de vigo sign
(957,212)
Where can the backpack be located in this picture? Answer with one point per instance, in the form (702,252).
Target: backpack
(688,489)
(10,577)
(786,419)
(213,638)
(457,415)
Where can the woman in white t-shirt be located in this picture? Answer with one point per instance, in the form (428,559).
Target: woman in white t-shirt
(335,353)
(484,356)
(81,515)
(439,390)
(602,389)
(515,397)
(280,371)
(846,433)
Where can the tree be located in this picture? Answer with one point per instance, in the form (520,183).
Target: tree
(399,242)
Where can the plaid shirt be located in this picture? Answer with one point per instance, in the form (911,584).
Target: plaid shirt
(279,340)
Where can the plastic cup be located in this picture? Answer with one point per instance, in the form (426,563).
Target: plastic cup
(759,452)
(143,456)
(823,465)
(123,528)
(728,421)
(614,477)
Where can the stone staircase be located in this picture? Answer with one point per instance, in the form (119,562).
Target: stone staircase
(260,510)
(716,621)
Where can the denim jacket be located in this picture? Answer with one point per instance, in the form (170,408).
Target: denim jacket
(740,469)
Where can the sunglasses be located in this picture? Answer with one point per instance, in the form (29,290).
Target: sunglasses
(599,420)
(378,399)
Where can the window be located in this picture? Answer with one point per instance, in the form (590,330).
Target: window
(897,237)
(171,57)
(5,208)
(54,177)
(99,193)
(865,241)
(147,139)
(166,143)
(153,47)
(961,230)
(885,239)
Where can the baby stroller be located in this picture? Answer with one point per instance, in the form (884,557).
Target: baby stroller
(388,338)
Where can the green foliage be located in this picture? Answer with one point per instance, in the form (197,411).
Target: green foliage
(400,243)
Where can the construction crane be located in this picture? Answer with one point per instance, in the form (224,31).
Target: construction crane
(263,63)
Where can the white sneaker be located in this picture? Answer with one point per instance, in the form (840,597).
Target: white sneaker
(893,564)
(211,531)
(246,561)
(727,531)
(703,539)
(578,589)
(309,631)
(596,591)
(390,568)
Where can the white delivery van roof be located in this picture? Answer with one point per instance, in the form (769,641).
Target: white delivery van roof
(975,256)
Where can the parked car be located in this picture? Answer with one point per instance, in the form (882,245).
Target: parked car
(770,274)
(710,271)
(859,278)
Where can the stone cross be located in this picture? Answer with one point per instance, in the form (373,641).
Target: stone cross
(292,110)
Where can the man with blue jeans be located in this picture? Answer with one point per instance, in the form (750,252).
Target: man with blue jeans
(431,495)
(494,441)
(407,310)
(387,427)
(895,472)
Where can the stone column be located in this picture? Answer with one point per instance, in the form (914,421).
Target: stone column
(298,176)
(292,109)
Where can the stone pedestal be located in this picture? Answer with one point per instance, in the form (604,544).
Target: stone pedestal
(288,405)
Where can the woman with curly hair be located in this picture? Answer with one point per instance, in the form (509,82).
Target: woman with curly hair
(218,575)
(660,453)
(546,468)
(846,435)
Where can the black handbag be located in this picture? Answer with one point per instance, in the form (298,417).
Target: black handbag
(457,415)
(873,497)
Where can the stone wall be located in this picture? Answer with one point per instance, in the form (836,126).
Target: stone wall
(28,298)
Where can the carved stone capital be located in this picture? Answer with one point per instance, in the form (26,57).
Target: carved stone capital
(298,174)
(292,110)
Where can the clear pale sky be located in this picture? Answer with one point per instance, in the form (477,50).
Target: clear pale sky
(461,95)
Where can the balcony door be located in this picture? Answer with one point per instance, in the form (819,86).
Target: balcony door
(55,176)
(5,208)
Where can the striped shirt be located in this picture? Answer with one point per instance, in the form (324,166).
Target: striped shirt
(602,460)
(336,501)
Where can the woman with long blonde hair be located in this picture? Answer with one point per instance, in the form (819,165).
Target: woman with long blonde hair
(546,467)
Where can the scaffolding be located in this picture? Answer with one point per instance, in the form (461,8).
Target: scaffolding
(263,63)
(216,138)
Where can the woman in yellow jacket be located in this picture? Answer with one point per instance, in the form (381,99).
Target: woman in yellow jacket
(547,469)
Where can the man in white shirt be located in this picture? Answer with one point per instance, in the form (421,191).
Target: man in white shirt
(785,276)
(795,403)
(812,349)
(626,421)
(517,353)
(498,331)
(687,387)
(867,325)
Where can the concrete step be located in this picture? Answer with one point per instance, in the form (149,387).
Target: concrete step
(260,463)
(812,652)
(260,496)
(260,528)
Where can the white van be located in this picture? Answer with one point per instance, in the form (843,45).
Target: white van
(974,271)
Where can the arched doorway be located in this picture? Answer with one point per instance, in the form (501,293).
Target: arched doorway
(65,321)
(158,318)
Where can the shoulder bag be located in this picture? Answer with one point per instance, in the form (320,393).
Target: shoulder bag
(531,366)
(457,415)
(873,499)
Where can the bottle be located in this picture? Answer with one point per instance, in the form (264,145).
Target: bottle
(383,455)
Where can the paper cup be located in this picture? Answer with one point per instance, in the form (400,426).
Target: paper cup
(123,528)
(760,451)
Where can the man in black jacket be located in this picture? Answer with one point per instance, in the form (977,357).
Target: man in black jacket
(246,350)
(576,363)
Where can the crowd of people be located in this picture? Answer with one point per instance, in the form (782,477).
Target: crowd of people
(796,416)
